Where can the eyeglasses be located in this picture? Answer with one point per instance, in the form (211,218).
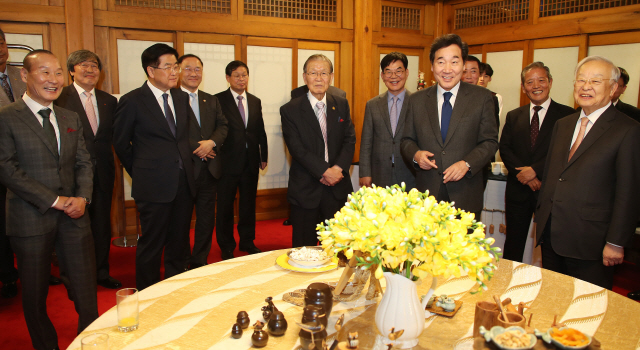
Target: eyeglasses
(398,73)
(175,69)
(592,81)
(87,66)
(190,70)
(240,77)
(323,75)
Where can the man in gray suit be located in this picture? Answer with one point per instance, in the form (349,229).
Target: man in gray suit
(47,170)
(451,133)
(12,90)
(381,161)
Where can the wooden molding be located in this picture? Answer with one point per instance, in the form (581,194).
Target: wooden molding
(614,38)
(550,43)
(210,38)
(20,12)
(23,28)
(397,39)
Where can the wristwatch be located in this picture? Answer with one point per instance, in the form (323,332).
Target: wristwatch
(468,165)
(87,201)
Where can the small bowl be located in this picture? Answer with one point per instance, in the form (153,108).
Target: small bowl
(497,330)
(306,263)
(546,336)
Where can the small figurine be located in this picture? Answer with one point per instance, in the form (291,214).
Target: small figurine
(271,305)
(312,335)
(421,82)
(243,319)
(339,323)
(236,331)
(393,334)
(448,304)
(277,325)
(259,338)
(351,343)
(266,313)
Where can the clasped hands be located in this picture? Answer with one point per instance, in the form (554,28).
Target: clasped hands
(72,206)
(453,173)
(332,176)
(527,176)
(205,150)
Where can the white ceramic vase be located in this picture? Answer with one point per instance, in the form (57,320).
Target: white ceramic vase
(401,308)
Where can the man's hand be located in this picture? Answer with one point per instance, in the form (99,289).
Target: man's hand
(422,158)
(526,174)
(74,207)
(204,149)
(60,205)
(365,181)
(263,165)
(455,172)
(332,176)
(612,255)
(535,184)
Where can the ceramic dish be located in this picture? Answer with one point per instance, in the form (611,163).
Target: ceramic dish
(490,335)
(307,263)
(546,336)
(283,261)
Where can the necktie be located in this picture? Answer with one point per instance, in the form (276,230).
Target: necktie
(447,110)
(168,114)
(241,108)
(535,126)
(6,87)
(48,128)
(322,119)
(195,106)
(393,115)
(91,113)
(583,129)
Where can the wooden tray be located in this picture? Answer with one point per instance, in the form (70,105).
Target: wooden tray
(440,311)
(479,343)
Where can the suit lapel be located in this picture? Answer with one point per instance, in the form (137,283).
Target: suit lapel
(32,122)
(458,111)
(233,107)
(102,112)
(64,128)
(308,113)
(383,108)
(403,114)
(333,115)
(547,126)
(149,100)
(597,130)
(75,104)
(179,100)
(524,124)
(432,113)
(204,112)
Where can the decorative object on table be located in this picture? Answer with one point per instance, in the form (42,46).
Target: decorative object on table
(268,309)
(556,323)
(236,331)
(485,315)
(283,262)
(349,291)
(502,310)
(259,338)
(435,306)
(321,295)
(515,319)
(339,323)
(95,341)
(312,334)
(421,82)
(351,343)
(408,236)
(266,313)
(277,325)
(565,338)
(308,257)
(312,313)
(509,338)
(128,309)
(243,319)
(447,303)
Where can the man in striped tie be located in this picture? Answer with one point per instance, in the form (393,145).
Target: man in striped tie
(319,134)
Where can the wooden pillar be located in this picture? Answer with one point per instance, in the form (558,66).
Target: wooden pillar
(78,17)
(363,61)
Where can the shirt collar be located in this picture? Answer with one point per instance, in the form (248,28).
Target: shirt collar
(81,90)
(454,90)
(35,106)
(545,105)
(157,92)
(314,100)
(189,92)
(400,96)
(235,94)
(593,117)
(6,70)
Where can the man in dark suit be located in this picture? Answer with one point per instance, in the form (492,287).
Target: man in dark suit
(588,204)
(451,131)
(47,170)
(625,108)
(151,138)
(12,90)
(244,153)
(304,90)
(95,109)
(207,131)
(523,148)
(319,134)
(381,161)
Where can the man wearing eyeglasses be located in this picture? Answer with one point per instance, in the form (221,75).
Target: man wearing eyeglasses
(244,153)
(319,134)
(588,204)
(151,138)
(206,132)
(381,162)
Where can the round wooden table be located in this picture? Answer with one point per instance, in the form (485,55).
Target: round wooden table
(196,309)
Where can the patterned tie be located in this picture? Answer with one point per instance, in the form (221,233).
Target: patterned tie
(48,128)
(91,113)
(168,114)
(583,129)
(393,115)
(195,106)
(241,108)
(322,119)
(445,119)
(535,125)
(6,87)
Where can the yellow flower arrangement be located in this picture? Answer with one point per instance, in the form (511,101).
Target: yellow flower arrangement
(410,234)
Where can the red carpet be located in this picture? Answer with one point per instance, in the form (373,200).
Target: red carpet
(270,235)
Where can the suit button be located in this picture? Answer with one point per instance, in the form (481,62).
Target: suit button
(443,152)
(394,142)
(561,179)
(439,172)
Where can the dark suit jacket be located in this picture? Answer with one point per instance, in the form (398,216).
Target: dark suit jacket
(146,147)
(377,144)
(303,90)
(629,110)
(472,137)
(213,126)
(98,145)
(18,87)
(303,137)
(32,173)
(593,198)
(515,146)
(242,143)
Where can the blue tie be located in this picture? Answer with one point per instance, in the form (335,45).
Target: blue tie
(195,106)
(447,109)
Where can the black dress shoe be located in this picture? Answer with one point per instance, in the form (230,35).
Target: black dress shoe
(635,295)
(110,283)
(251,249)
(287,222)
(227,254)
(9,290)
(54,281)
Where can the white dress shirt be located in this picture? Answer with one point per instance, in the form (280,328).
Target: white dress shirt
(314,100)
(83,99)
(541,113)
(158,94)
(593,117)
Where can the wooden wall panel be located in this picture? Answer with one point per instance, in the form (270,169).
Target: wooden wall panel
(58,39)
(32,13)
